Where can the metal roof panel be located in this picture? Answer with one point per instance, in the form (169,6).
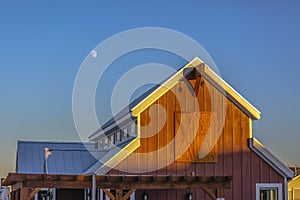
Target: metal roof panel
(66,157)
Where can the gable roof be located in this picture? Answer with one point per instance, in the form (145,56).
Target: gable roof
(145,100)
(66,157)
(210,76)
(294,183)
(150,96)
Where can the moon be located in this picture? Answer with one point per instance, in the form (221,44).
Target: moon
(94,53)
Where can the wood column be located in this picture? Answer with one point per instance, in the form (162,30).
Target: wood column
(119,194)
(220,193)
(24,193)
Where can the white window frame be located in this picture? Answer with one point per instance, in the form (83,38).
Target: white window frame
(269,185)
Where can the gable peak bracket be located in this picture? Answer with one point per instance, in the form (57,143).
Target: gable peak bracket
(192,73)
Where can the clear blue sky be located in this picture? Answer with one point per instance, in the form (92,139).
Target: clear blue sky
(256,47)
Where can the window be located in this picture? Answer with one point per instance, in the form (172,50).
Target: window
(132,128)
(112,139)
(268,191)
(118,136)
(125,131)
(101,144)
(106,142)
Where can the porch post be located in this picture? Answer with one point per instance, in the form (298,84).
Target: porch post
(24,193)
(220,193)
(119,194)
(93,187)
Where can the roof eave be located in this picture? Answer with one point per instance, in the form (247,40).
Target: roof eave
(162,89)
(115,159)
(269,158)
(209,75)
(231,93)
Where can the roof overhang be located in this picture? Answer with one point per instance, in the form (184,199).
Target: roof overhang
(269,158)
(113,158)
(209,75)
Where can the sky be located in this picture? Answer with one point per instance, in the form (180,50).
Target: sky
(255,45)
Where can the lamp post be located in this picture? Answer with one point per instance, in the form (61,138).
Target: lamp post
(47,154)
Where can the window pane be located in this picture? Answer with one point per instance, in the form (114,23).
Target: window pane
(125,132)
(118,136)
(112,139)
(133,131)
(106,142)
(268,193)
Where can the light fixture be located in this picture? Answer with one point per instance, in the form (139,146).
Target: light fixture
(145,196)
(179,88)
(189,195)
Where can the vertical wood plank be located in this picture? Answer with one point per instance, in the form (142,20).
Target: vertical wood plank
(208,100)
(152,138)
(237,162)
(255,177)
(180,108)
(142,160)
(190,107)
(171,105)
(246,162)
(219,99)
(162,142)
(274,176)
(172,168)
(132,162)
(228,145)
(200,167)
(264,171)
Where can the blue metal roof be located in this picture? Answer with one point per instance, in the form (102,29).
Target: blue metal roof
(66,157)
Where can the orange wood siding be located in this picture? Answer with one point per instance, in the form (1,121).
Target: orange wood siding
(234,158)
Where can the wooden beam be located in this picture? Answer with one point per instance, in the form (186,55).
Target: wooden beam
(24,193)
(194,73)
(120,182)
(58,184)
(33,192)
(209,193)
(197,85)
(109,194)
(119,194)
(17,186)
(127,195)
(220,193)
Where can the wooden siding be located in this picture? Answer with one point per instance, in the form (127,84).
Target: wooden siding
(234,158)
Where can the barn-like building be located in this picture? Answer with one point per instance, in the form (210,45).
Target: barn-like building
(188,138)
